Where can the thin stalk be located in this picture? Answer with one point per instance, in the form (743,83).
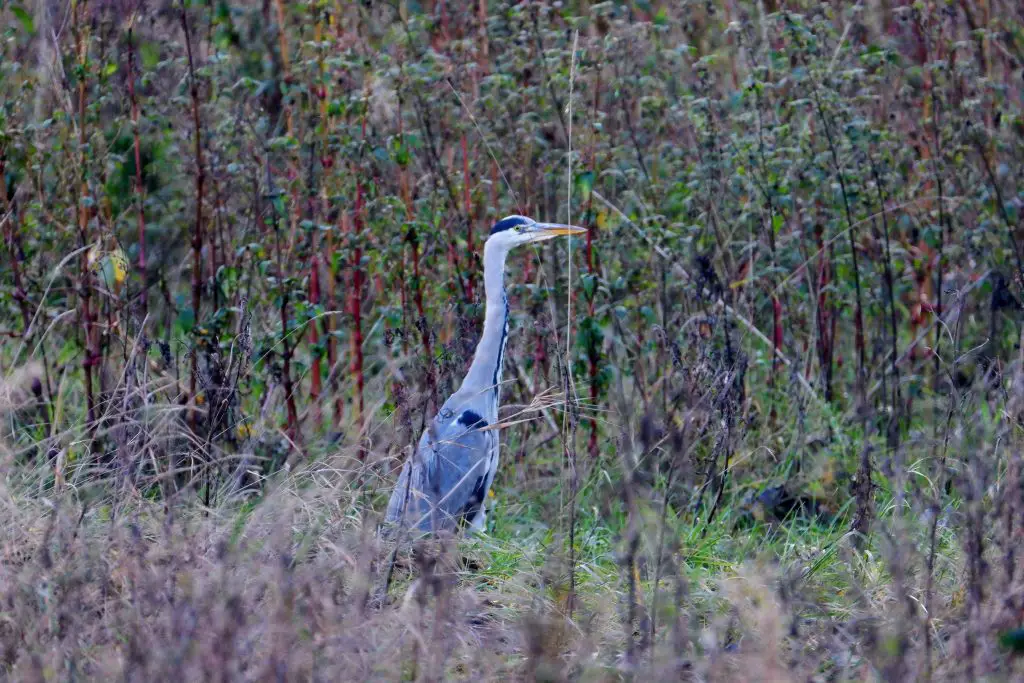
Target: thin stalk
(82,216)
(200,182)
(11,236)
(332,340)
(437,166)
(283,46)
(1001,206)
(417,289)
(314,336)
(286,345)
(468,204)
(140,197)
(851,232)
(570,417)
(355,305)
(936,375)
(891,295)
(421,322)
(593,351)
(823,314)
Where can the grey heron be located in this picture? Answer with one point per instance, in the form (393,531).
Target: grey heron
(445,481)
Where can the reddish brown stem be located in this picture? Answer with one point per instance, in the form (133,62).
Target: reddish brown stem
(421,323)
(197,229)
(355,305)
(11,236)
(593,353)
(286,346)
(824,314)
(139,191)
(467,201)
(356,300)
(283,46)
(286,364)
(91,353)
(776,332)
(314,335)
(332,342)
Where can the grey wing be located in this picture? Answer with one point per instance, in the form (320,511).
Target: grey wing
(409,499)
(446,479)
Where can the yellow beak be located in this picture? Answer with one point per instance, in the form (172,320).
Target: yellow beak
(545,230)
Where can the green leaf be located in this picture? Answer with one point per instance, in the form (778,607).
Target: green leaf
(67,352)
(585,183)
(187,319)
(23,17)
(1013,640)
(150,52)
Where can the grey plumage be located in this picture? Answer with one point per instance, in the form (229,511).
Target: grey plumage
(445,482)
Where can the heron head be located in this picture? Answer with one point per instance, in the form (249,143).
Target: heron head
(514,230)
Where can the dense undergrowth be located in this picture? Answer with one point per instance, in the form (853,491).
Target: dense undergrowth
(775,436)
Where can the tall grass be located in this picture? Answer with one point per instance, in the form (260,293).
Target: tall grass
(781,441)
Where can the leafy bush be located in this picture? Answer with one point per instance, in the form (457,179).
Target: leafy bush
(763,422)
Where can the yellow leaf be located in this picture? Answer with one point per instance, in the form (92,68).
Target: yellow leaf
(120,263)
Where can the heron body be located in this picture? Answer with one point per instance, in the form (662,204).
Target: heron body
(445,482)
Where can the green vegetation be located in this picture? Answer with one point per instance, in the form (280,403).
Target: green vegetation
(763,423)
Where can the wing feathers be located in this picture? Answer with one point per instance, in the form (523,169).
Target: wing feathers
(448,474)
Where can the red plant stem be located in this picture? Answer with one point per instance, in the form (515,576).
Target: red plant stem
(483,56)
(403,291)
(283,46)
(355,305)
(332,342)
(286,361)
(776,332)
(540,359)
(215,230)
(824,314)
(356,298)
(417,294)
(139,190)
(494,185)
(91,354)
(223,254)
(590,199)
(406,195)
(468,202)
(593,354)
(421,323)
(14,248)
(197,231)
(286,347)
(592,351)
(314,333)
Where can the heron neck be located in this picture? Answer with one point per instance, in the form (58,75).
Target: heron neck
(485,372)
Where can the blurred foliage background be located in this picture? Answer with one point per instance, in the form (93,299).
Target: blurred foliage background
(241,256)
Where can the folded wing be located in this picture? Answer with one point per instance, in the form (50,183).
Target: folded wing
(445,482)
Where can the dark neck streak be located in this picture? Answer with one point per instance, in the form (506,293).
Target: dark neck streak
(496,380)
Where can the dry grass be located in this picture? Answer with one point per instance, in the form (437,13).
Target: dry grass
(779,438)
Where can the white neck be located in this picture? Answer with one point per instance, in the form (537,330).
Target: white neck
(485,371)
